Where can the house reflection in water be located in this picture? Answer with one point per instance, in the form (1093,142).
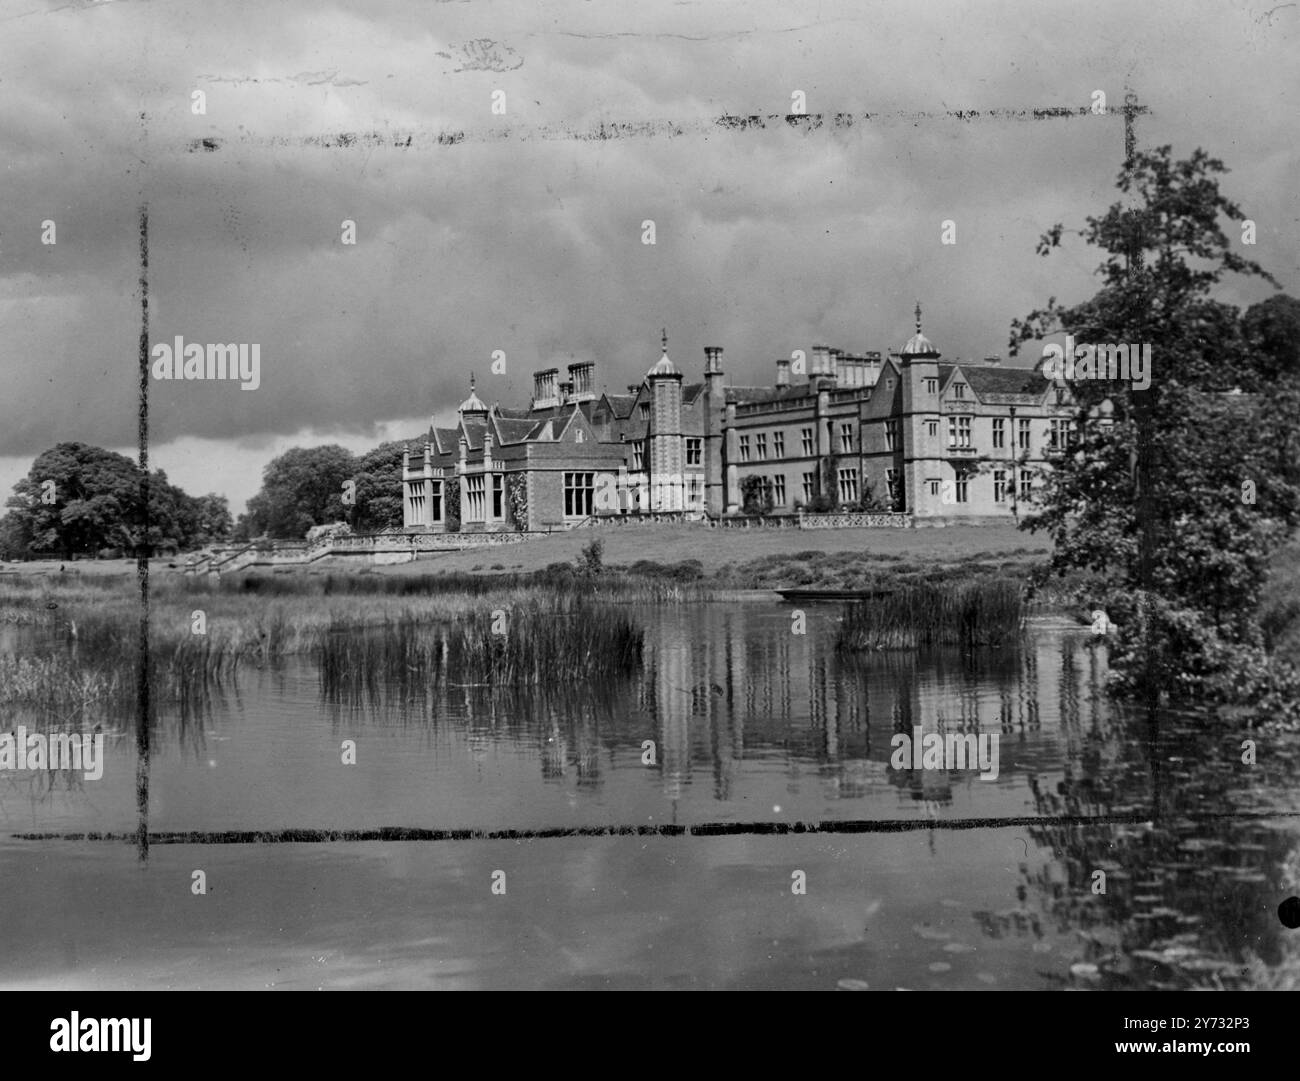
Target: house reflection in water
(723,684)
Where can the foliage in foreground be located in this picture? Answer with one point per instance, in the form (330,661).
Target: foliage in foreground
(1177,496)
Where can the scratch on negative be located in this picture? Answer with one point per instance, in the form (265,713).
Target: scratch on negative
(607,130)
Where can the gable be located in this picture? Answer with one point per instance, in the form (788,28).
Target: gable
(574,428)
(1008,386)
(887,395)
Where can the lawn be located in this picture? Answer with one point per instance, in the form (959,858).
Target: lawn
(719,549)
(743,558)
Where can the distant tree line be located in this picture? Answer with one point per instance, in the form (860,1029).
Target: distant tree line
(84,500)
(81,500)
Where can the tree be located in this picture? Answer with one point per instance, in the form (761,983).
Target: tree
(301,488)
(212,522)
(1272,337)
(77,498)
(15,536)
(80,499)
(379,489)
(1151,498)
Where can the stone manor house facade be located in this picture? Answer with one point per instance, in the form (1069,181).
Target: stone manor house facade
(906,432)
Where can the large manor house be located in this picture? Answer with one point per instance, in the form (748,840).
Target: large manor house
(906,432)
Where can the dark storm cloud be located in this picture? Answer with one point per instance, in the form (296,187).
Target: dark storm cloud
(766,240)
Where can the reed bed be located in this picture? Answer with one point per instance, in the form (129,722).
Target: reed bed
(531,644)
(80,643)
(984,612)
(57,685)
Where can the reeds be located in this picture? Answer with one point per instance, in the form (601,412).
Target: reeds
(983,612)
(81,645)
(529,644)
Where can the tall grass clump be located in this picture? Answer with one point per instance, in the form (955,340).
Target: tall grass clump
(983,612)
(528,644)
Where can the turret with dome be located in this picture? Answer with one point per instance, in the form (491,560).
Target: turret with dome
(918,345)
(473,405)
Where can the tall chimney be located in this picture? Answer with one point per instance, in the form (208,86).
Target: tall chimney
(783,372)
(712,359)
(818,366)
(546,388)
(583,377)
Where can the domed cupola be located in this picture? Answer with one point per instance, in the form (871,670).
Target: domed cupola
(663,366)
(918,345)
(473,405)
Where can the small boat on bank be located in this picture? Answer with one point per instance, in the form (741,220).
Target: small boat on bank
(828,596)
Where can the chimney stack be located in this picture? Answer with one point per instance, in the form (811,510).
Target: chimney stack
(782,372)
(852,370)
(582,377)
(993,358)
(818,365)
(546,389)
(712,359)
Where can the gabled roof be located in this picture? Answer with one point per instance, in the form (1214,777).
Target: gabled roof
(444,439)
(475,430)
(690,392)
(621,404)
(572,415)
(1006,386)
(513,429)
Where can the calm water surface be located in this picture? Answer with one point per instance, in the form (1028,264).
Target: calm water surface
(750,724)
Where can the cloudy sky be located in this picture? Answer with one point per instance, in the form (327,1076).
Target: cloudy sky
(524,236)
